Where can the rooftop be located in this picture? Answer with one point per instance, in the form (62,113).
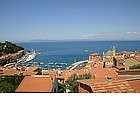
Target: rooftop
(118,85)
(95,54)
(137,58)
(120,67)
(99,71)
(35,84)
(18,70)
(119,58)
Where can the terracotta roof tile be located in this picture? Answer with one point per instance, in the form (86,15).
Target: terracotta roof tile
(2,68)
(118,85)
(98,70)
(10,72)
(135,84)
(35,84)
(137,58)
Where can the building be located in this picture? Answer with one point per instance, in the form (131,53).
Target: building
(119,62)
(95,56)
(110,54)
(28,71)
(110,85)
(108,57)
(130,62)
(1,70)
(38,84)
(96,72)
(10,58)
(17,70)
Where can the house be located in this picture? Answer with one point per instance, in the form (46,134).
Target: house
(130,62)
(110,85)
(108,57)
(31,71)
(9,72)
(2,70)
(95,56)
(119,61)
(10,58)
(96,72)
(17,70)
(38,84)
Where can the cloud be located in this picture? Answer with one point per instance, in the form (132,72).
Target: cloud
(88,36)
(111,36)
(134,33)
(99,36)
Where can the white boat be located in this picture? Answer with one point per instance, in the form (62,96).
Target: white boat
(86,50)
(30,56)
(51,63)
(63,63)
(41,63)
(58,66)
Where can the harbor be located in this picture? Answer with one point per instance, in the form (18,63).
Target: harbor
(49,57)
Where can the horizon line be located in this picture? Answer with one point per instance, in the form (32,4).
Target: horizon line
(70,40)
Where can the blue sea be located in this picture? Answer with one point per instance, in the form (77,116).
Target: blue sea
(73,51)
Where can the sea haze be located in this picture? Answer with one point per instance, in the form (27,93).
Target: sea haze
(70,52)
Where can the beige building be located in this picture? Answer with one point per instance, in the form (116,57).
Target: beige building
(131,62)
(95,56)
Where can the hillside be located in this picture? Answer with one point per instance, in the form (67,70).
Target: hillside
(9,47)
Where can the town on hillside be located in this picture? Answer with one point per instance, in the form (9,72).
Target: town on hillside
(115,72)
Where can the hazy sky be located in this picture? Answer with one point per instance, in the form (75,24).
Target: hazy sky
(23,20)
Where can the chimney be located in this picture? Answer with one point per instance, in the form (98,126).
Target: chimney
(109,79)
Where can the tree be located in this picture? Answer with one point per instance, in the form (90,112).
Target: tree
(61,87)
(135,66)
(72,83)
(9,83)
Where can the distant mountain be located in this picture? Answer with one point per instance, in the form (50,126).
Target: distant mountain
(47,40)
(42,40)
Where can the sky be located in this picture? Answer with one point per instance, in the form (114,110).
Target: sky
(25,20)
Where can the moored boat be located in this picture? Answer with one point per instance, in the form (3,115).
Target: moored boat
(30,56)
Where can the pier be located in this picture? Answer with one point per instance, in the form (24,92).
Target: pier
(77,65)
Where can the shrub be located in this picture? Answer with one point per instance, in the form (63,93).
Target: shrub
(135,66)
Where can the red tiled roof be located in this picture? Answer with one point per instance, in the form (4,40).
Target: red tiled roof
(31,71)
(115,87)
(94,54)
(10,72)
(120,58)
(137,58)
(99,71)
(35,84)
(2,68)
(120,67)
(11,55)
(118,85)
(135,84)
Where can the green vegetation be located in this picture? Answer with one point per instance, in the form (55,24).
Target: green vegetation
(9,83)
(135,67)
(39,71)
(61,87)
(9,47)
(72,83)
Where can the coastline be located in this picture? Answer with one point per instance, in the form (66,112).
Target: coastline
(54,54)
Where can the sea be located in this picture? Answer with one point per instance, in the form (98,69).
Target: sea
(61,54)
